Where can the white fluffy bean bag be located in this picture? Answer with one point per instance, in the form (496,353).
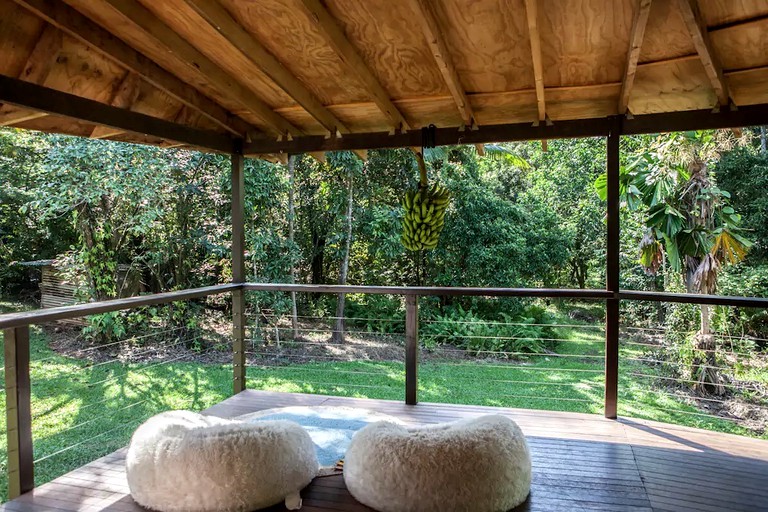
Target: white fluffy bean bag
(476,465)
(184,461)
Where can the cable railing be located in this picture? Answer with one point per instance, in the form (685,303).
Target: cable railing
(676,374)
(74,395)
(456,364)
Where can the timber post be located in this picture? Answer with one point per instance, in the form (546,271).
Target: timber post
(411,348)
(21,473)
(238,273)
(612,272)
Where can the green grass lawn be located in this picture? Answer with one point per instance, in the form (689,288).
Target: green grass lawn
(82,411)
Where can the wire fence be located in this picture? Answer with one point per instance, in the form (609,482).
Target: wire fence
(676,374)
(558,366)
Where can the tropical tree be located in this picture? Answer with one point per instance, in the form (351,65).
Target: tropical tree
(689,223)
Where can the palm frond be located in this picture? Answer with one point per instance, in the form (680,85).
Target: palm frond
(505,154)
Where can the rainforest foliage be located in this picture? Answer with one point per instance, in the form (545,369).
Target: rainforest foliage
(518,216)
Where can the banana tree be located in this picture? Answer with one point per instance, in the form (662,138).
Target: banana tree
(689,223)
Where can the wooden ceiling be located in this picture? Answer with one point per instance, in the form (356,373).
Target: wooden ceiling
(287,68)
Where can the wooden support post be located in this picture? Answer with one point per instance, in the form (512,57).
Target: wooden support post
(411,348)
(612,274)
(21,476)
(238,273)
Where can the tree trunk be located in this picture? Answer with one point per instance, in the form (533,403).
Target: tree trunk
(763,147)
(706,328)
(704,368)
(338,331)
(318,255)
(291,236)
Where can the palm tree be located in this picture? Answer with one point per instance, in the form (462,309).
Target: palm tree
(689,223)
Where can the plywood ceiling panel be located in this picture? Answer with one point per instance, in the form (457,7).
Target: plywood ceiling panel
(82,71)
(392,45)
(742,46)
(584,42)
(489,43)
(156,103)
(19,31)
(183,20)
(748,87)
(666,36)
(674,86)
(719,12)
(295,41)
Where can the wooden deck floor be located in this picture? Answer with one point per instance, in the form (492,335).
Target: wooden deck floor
(580,462)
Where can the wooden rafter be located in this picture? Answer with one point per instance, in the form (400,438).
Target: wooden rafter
(633,55)
(36,70)
(154,28)
(434,35)
(81,28)
(123,97)
(698,30)
(336,37)
(532,16)
(227,26)
(531,11)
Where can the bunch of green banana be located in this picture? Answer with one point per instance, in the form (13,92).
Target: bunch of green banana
(424,216)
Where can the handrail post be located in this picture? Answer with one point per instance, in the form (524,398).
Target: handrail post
(612,273)
(411,348)
(21,473)
(238,273)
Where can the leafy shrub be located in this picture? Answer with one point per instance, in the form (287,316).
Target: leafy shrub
(105,328)
(376,313)
(530,332)
(179,320)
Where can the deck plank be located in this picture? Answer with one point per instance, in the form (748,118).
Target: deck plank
(580,462)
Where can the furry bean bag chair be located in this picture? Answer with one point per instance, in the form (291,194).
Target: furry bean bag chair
(475,465)
(184,461)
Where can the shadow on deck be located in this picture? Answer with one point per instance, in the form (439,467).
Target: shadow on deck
(580,462)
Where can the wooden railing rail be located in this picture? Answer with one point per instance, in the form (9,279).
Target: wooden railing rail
(444,291)
(41,316)
(691,298)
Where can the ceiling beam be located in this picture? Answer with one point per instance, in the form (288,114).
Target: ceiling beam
(633,55)
(218,17)
(336,37)
(753,115)
(698,30)
(44,99)
(124,96)
(89,33)
(427,18)
(197,62)
(531,11)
